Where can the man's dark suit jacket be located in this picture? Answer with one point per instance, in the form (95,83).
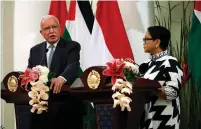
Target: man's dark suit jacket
(65,63)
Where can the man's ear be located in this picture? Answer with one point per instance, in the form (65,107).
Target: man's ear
(41,31)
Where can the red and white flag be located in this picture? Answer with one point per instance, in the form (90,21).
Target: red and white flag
(109,39)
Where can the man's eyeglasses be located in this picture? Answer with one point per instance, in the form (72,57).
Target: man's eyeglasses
(54,27)
(145,39)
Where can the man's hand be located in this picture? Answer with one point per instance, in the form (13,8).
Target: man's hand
(57,84)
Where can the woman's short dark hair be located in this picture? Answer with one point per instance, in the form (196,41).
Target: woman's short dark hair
(159,32)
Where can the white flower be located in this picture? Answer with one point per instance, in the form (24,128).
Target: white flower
(33,94)
(44,88)
(126,90)
(33,83)
(128,64)
(43,78)
(33,109)
(34,88)
(117,95)
(128,107)
(118,84)
(34,101)
(122,100)
(43,103)
(132,66)
(119,80)
(43,96)
(124,103)
(125,106)
(38,107)
(114,87)
(125,99)
(41,87)
(135,69)
(41,109)
(43,70)
(116,102)
(129,85)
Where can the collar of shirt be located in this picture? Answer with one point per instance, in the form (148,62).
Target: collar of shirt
(159,55)
(55,44)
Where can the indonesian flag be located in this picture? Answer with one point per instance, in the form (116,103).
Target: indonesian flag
(109,39)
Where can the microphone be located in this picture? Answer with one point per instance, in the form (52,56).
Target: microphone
(46,50)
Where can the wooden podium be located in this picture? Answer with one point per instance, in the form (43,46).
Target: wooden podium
(83,88)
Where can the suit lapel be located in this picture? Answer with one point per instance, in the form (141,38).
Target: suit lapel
(43,58)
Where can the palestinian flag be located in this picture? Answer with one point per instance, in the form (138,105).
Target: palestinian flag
(77,25)
(194,46)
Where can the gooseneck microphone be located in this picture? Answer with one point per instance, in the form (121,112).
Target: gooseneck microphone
(46,50)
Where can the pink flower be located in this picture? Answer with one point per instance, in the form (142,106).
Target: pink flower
(36,69)
(28,76)
(115,69)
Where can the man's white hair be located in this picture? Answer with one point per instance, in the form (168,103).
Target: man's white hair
(47,17)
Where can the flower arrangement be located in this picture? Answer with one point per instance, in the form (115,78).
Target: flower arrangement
(123,73)
(37,78)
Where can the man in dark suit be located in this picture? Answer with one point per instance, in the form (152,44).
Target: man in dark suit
(62,57)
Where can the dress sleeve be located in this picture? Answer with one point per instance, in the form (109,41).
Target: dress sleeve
(173,75)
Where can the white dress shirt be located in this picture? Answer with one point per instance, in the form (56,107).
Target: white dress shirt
(48,47)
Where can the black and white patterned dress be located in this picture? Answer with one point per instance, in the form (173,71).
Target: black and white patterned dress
(161,113)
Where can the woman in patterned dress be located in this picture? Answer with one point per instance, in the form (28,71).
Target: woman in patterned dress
(163,111)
